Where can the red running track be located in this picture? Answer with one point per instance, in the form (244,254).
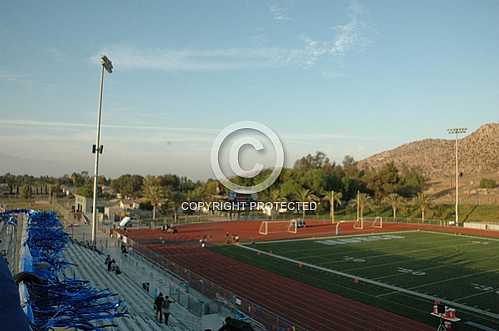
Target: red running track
(248,230)
(299,302)
(316,309)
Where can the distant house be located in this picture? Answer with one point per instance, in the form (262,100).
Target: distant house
(68,190)
(4,189)
(108,190)
(114,213)
(128,204)
(84,205)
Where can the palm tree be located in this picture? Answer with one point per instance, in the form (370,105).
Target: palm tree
(395,201)
(275,196)
(173,201)
(305,195)
(363,201)
(333,198)
(154,193)
(423,202)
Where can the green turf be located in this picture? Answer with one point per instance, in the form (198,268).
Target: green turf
(457,268)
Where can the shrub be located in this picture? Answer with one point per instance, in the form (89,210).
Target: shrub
(487,183)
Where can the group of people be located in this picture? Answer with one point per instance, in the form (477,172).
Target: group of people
(162,307)
(229,239)
(169,228)
(112,266)
(146,286)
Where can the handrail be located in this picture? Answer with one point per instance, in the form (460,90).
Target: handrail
(216,292)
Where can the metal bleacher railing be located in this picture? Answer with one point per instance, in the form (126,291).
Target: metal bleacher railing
(269,319)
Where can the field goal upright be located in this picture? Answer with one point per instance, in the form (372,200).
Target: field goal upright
(378,222)
(268,227)
(359,224)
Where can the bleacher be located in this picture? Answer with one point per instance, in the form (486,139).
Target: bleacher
(91,266)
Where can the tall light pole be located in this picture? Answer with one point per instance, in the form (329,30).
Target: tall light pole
(98,148)
(457,131)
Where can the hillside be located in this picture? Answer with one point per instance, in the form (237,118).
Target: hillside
(479,154)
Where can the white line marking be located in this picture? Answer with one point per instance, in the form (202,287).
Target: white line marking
(373,282)
(329,237)
(475,295)
(429,268)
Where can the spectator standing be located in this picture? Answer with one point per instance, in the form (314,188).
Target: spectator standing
(158,306)
(109,263)
(166,309)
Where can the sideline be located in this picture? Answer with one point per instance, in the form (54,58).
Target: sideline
(380,284)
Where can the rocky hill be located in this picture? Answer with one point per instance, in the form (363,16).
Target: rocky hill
(478,154)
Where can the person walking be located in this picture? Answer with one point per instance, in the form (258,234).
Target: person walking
(109,263)
(166,308)
(158,306)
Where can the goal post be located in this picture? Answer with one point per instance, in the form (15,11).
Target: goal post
(359,224)
(269,227)
(264,228)
(378,222)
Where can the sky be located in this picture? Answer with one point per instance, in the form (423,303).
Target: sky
(342,77)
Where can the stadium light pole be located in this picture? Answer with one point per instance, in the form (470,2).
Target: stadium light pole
(457,131)
(107,65)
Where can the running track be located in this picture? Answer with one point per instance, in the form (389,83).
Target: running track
(317,309)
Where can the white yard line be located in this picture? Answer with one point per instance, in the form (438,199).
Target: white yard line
(373,282)
(445,280)
(407,253)
(429,268)
(462,235)
(475,295)
(347,245)
(330,237)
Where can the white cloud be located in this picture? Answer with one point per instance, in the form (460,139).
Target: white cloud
(13,77)
(279,11)
(345,38)
(30,123)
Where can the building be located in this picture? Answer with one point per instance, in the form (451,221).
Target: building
(129,204)
(84,205)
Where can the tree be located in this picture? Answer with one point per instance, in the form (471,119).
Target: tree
(305,195)
(423,202)
(413,181)
(275,196)
(395,201)
(154,193)
(363,201)
(87,190)
(173,200)
(333,198)
(26,191)
(319,160)
(289,189)
(384,181)
(128,185)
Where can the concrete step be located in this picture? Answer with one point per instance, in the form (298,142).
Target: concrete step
(91,267)
(136,298)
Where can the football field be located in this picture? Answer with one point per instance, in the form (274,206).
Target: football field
(402,272)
